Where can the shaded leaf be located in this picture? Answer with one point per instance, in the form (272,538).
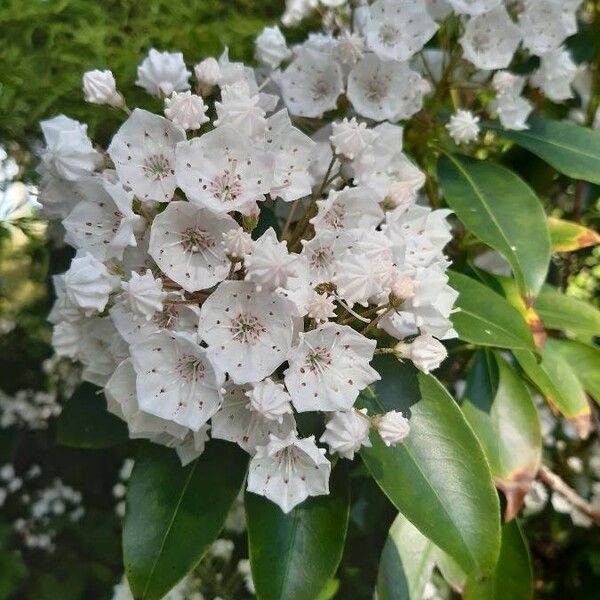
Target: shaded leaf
(485,317)
(503,212)
(85,423)
(567,236)
(499,408)
(571,149)
(173,514)
(440,461)
(295,555)
(513,575)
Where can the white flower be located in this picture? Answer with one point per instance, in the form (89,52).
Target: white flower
(208,74)
(426,353)
(397,30)
(513,111)
(237,243)
(383,90)
(463,126)
(350,208)
(163,73)
(351,138)
(66,338)
(311,84)
(346,431)
(69,153)
(271,47)
(491,39)
(322,252)
(473,7)
(143,151)
(507,83)
(350,48)
(320,307)
(329,367)
(288,470)
(555,75)
(103,222)
(144,294)
(542,26)
(393,427)
(99,87)
(270,400)
(186,110)
(269,264)
(176,379)
(238,421)
(191,447)
(185,242)
(240,109)
(88,283)
(57,196)
(249,333)
(222,171)
(292,151)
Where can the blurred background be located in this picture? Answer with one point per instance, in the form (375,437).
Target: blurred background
(60,508)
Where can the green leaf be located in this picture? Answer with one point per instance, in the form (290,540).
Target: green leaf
(499,408)
(559,311)
(503,212)
(406,562)
(438,478)
(486,318)
(555,378)
(567,236)
(12,573)
(294,555)
(571,149)
(583,359)
(173,514)
(513,577)
(85,423)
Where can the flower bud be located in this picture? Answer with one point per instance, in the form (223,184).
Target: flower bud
(393,427)
(403,289)
(99,87)
(426,352)
(208,74)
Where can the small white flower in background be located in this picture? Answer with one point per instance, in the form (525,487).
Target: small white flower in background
(162,73)
(69,153)
(542,25)
(346,432)
(88,283)
(463,126)
(536,498)
(144,294)
(393,427)
(208,74)
(222,548)
(186,110)
(351,138)
(426,353)
(244,569)
(271,47)
(99,87)
(289,470)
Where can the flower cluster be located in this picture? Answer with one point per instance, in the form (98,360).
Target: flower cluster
(242,258)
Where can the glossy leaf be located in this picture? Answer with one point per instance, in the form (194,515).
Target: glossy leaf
(485,317)
(173,514)
(499,408)
(513,576)
(85,423)
(567,236)
(555,378)
(571,149)
(438,478)
(503,212)
(583,359)
(295,555)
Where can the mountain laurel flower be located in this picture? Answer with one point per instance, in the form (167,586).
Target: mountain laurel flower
(144,294)
(271,47)
(208,74)
(269,264)
(162,73)
(350,138)
(346,432)
(393,427)
(463,126)
(270,400)
(99,87)
(426,353)
(321,307)
(237,243)
(186,110)
(288,470)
